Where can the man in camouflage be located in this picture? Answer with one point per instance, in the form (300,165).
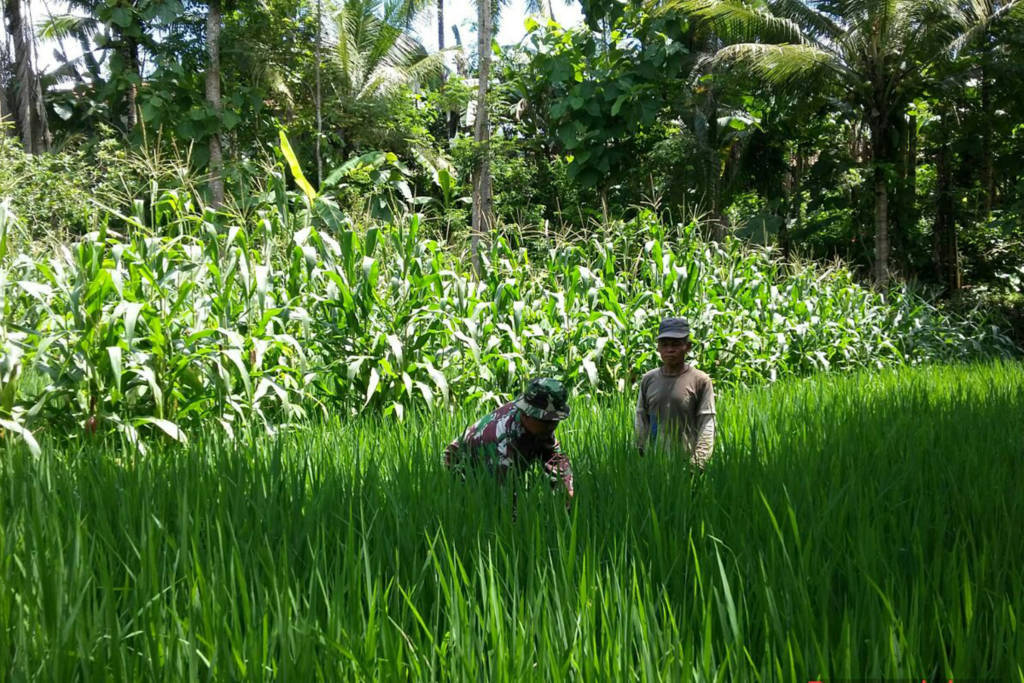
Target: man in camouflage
(518,435)
(675,408)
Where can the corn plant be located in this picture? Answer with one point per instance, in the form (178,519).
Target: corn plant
(286,309)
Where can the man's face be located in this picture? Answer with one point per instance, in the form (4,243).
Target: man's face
(673,351)
(539,427)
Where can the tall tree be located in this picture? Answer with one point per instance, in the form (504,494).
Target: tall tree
(4,69)
(213,26)
(483,217)
(29,111)
(318,95)
(874,53)
(440,25)
(967,74)
(120,32)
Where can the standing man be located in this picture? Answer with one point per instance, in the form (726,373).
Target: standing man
(676,405)
(518,435)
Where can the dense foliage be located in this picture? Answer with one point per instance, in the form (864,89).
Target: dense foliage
(170,318)
(846,528)
(630,109)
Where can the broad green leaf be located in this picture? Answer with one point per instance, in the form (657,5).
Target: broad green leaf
(235,356)
(36,289)
(114,352)
(428,394)
(371,388)
(131,311)
(371,241)
(439,380)
(26,435)
(591,370)
(166,426)
(293,164)
(396,348)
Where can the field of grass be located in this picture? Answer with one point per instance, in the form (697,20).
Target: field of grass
(859,526)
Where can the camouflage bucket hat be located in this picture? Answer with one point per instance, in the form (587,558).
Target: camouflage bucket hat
(544,399)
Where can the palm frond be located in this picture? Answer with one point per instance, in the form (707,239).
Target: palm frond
(787,66)
(389,79)
(734,21)
(980,19)
(65,72)
(67,26)
(374,53)
(816,24)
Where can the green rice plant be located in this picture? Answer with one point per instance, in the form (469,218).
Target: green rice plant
(846,527)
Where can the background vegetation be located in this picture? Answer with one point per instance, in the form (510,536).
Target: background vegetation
(663,105)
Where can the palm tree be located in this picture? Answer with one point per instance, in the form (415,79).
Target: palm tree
(965,27)
(483,200)
(374,55)
(483,216)
(29,112)
(213,27)
(124,37)
(875,54)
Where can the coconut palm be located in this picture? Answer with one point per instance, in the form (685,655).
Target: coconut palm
(374,56)
(483,213)
(29,112)
(112,41)
(875,54)
(213,29)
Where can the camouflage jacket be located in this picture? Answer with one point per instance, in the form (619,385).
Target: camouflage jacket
(499,441)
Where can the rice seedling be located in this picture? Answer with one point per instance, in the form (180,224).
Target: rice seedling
(857,526)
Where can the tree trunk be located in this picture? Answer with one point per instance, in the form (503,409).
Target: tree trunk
(41,133)
(944,237)
(29,111)
(880,159)
(213,20)
(4,68)
(903,200)
(440,28)
(911,168)
(987,166)
(482,218)
(451,117)
(130,53)
(794,204)
(319,97)
(22,73)
(881,229)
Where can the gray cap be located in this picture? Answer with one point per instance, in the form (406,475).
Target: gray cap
(674,328)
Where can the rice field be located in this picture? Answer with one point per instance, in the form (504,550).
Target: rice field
(849,527)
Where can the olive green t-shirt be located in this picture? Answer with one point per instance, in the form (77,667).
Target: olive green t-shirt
(670,408)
